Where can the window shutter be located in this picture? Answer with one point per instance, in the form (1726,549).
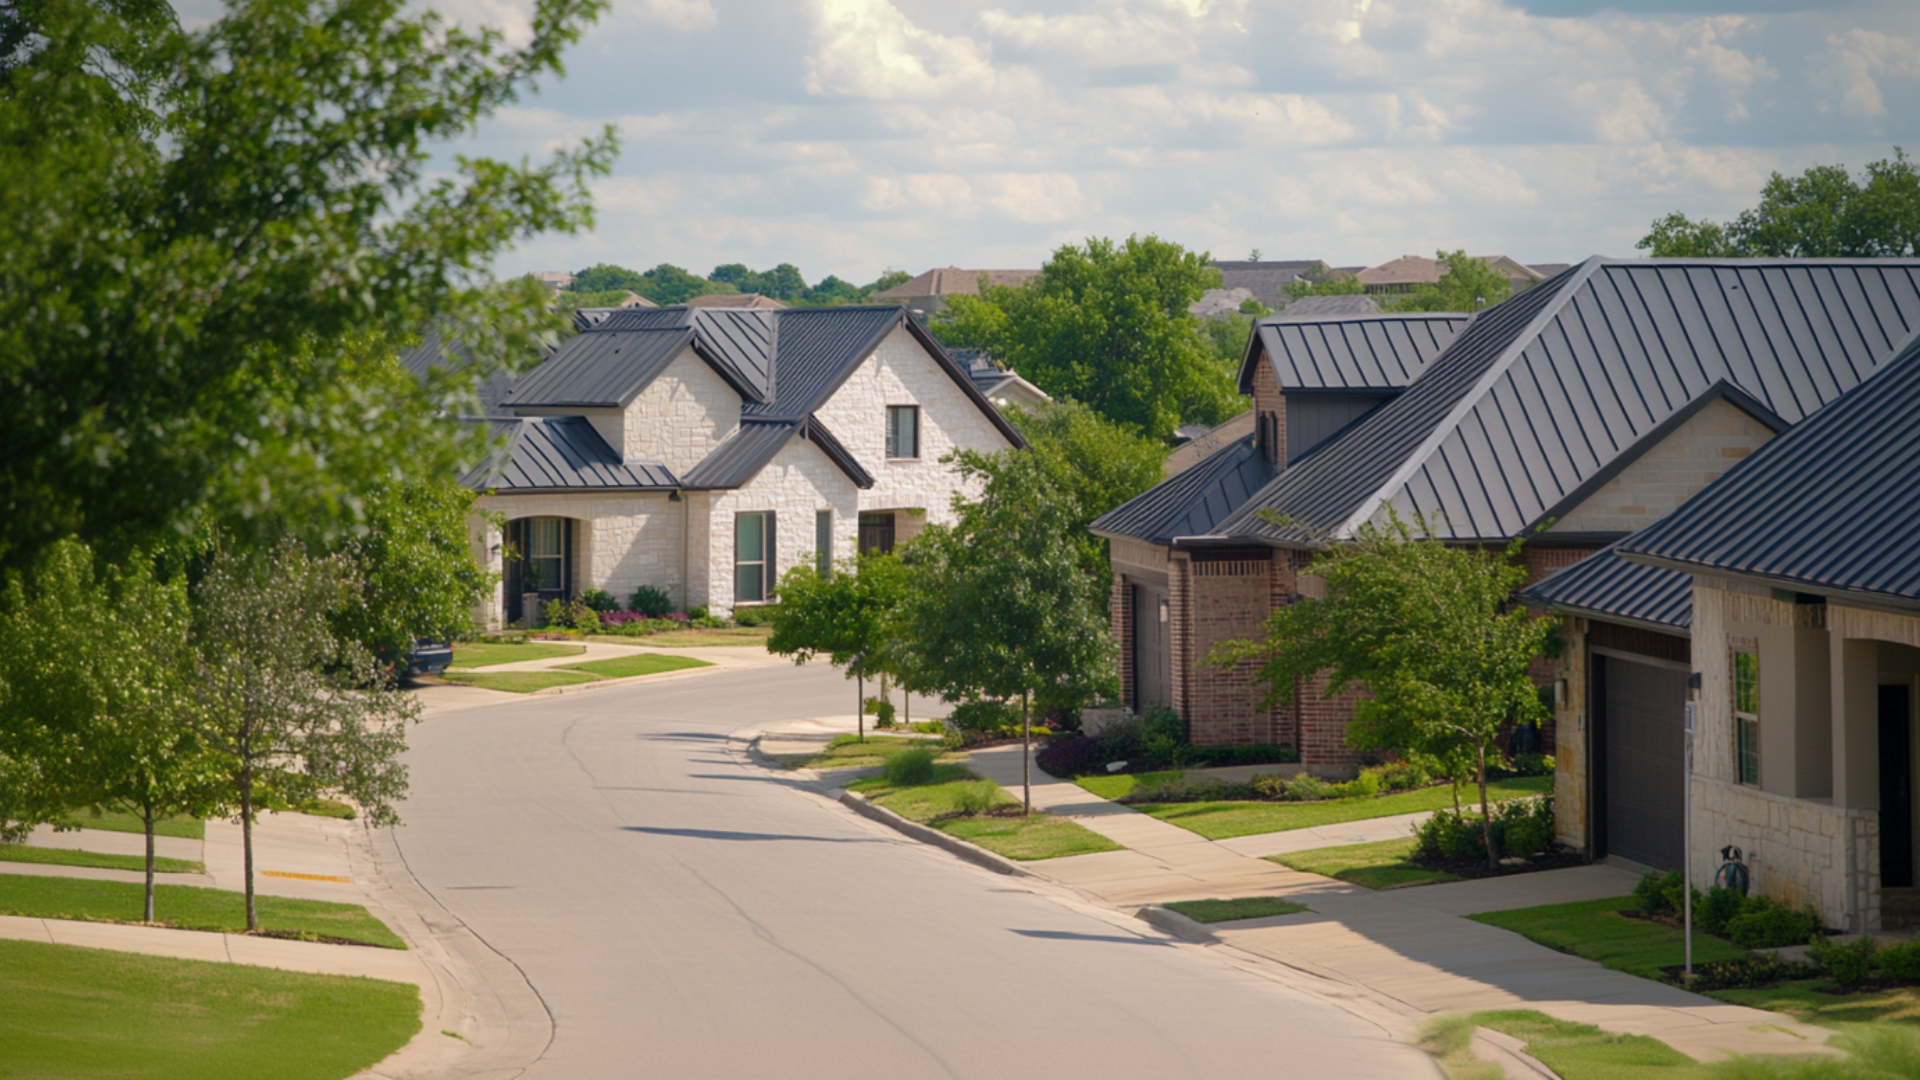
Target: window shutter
(773,548)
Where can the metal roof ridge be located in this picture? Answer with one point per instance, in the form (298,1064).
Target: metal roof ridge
(1403,472)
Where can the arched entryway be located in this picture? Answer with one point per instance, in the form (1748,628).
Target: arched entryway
(541,556)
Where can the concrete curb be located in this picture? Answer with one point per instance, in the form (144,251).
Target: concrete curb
(1510,1054)
(1176,924)
(977,856)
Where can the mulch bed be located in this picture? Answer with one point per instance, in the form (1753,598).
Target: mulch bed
(1555,858)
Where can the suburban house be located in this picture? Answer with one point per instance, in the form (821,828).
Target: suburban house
(1571,415)
(1806,655)
(1248,279)
(1002,386)
(703,451)
(1402,274)
(927,294)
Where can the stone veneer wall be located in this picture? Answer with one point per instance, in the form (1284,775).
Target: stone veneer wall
(484,541)
(797,483)
(1695,454)
(621,540)
(680,417)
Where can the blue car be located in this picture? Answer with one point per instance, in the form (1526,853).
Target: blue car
(429,657)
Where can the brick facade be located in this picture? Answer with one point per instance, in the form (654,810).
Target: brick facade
(1121,606)
(1230,600)
(1270,409)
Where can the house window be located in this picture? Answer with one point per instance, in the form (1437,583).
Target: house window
(823,542)
(903,431)
(1746,714)
(753,557)
(546,554)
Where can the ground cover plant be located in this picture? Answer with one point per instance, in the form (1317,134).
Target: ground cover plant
(621,667)
(1225,818)
(1158,741)
(1597,930)
(470,655)
(22,853)
(1248,907)
(519,682)
(186,907)
(1120,785)
(1755,922)
(91,1013)
(961,804)
(1383,864)
(178,826)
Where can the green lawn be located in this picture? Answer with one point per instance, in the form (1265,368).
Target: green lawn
(184,828)
(1805,1001)
(621,667)
(475,654)
(1224,820)
(1251,907)
(847,752)
(1121,785)
(188,908)
(694,638)
(1028,838)
(1380,865)
(63,857)
(519,682)
(91,1014)
(1595,930)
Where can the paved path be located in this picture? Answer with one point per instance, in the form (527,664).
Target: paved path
(1408,946)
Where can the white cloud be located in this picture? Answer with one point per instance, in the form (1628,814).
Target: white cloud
(1854,63)
(690,15)
(867,48)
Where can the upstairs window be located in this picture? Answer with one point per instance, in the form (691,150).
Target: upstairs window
(903,431)
(1746,715)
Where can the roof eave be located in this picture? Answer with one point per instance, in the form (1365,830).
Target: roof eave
(1893,602)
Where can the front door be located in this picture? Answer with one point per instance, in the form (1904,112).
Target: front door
(1896,788)
(1152,649)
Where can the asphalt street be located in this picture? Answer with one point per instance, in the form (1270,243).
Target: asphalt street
(682,914)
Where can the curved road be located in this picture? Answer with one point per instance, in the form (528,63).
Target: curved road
(685,916)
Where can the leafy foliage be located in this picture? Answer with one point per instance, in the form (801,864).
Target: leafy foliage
(1091,462)
(1327,282)
(1107,324)
(417,574)
(652,602)
(845,616)
(1467,285)
(668,284)
(1822,213)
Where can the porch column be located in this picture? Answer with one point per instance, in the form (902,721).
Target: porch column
(1856,723)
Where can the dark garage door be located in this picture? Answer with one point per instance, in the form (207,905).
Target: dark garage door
(1152,649)
(1642,715)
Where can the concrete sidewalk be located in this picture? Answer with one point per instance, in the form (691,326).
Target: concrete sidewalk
(1408,948)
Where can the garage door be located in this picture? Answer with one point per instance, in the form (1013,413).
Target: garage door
(1152,649)
(1642,717)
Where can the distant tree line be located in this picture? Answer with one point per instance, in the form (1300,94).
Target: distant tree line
(668,284)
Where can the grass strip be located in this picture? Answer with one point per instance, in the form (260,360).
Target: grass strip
(1249,907)
(1121,785)
(621,667)
(1228,819)
(477,654)
(1806,999)
(91,1014)
(21,853)
(848,752)
(692,638)
(519,682)
(1595,930)
(1573,1051)
(1025,838)
(188,907)
(183,828)
(1382,864)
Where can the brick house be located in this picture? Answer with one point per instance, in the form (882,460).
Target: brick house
(703,451)
(1572,414)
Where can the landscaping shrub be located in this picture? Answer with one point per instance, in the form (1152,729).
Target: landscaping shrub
(1121,741)
(1404,776)
(753,616)
(985,717)
(1765,924)
(1901,961)
(651,602)
(1747,974)
(1269,786)
(1069,756)
(1527,836)
(976,799)
(883,716)
(697,612)
(600,600)
(1847,965)
(910,768)
(1364,786)
(1718,908)
(1307,787)
(1449,836)
(707,622)
(557,613)
(584,619)
(1533,764)
(1182,790)
(1658,894)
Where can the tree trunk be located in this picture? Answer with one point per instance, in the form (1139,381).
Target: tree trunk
(860,705)
(1486,811)
(246,845)
(1026,758)
(147,818)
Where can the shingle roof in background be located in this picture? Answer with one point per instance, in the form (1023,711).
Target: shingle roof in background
(1193,502)
(562,453)
(1830,505)
(1541,392)
(951,281)
(1377,352)
(1605,586)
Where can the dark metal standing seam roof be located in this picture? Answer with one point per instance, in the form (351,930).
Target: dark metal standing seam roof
(1832,505)
(1543,391)
(1605,586)
(562,453)
(819,349)
(599,369)
(742,455)
(1192,502)
(1372,352)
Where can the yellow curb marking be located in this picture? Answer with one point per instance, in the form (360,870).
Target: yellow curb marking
(306,877)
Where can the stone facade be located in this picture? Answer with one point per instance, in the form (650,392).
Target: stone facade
(796,484)
(621,541)
(681,416)
(1693,455)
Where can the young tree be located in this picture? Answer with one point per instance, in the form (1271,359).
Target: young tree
(295,710)
(1822,213)
(1428,632)
(999,605)
(1093,463)
(845,616)
(416,568)
(1467,285)
(96,684)
(1107,324)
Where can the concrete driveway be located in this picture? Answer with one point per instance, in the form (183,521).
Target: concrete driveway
(680,913)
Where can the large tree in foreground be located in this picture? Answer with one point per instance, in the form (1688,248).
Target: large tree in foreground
(295,710)
(1822,213)
(1428,633)
(998,604)
(192,220)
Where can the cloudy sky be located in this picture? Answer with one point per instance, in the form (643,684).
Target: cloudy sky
(854,136)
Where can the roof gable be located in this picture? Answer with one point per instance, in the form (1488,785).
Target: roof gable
(561,453)
(1192,502)
(1605,586)
(1358,352)
(607,364)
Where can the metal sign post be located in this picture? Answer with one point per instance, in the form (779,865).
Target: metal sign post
(1686,835)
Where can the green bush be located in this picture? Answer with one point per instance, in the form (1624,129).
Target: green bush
(985,717)
(1307,787)
(1403,776)
(651,602)
(1901,961)
(1527,836)
(1718,908)
(557,614)
(883,716)
(698,611)
(600,600)
(759,615)
(1533,764)
(585,619)
(1449,836)
(910,768)
(1658,894)
(1765,924)
(976,799)
(1364,786)
(1269,786)
(707,622)
(1847,965)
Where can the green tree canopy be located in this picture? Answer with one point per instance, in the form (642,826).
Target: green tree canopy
(175,284)
(1323,283)
(1427,631)
(1090,462)
(847,616)
(1107,324)
(1467,284)
(1822,213)
(416,568)
(606,277)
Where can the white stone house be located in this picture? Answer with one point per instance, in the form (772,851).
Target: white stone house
(705,451)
